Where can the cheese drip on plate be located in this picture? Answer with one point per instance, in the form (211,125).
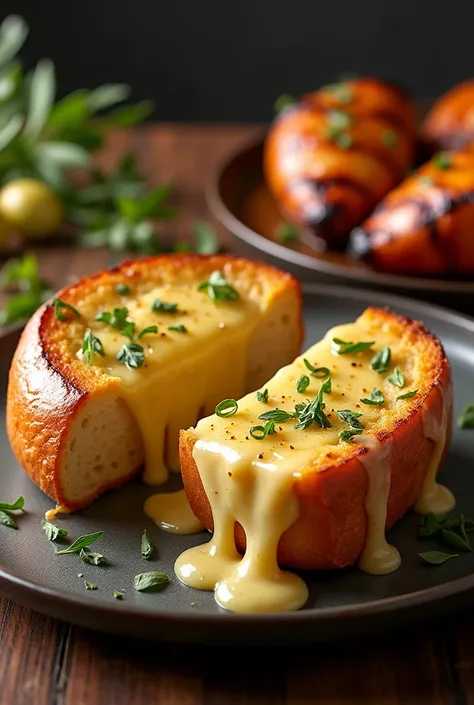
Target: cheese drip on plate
(251,482)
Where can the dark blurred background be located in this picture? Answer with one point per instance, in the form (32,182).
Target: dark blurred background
(217,60)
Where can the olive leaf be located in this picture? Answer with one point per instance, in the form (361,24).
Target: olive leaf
(13,32)
(41,97)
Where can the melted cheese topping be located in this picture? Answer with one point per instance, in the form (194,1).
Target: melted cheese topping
(184,375)
(251,481)
(435,498)
(171,512)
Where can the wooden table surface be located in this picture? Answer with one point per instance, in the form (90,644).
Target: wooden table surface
(46,662)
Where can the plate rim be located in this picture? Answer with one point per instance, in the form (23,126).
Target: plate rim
(283,254)
(57,599)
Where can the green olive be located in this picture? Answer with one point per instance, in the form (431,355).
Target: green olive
(30,206)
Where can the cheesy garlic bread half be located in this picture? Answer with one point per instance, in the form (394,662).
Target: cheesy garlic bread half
(309,471)
(107,373)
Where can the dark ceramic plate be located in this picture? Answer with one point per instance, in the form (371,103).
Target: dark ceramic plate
(341,603)
(240,200)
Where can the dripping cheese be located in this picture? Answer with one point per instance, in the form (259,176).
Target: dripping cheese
(302,497)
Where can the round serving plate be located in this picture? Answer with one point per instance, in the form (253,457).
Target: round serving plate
(341,604)
(239,198)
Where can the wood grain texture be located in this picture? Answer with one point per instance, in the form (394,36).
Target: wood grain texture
(45,662)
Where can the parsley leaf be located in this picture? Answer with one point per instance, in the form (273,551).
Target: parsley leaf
(276,415)
(13,506)
(82,542)
(159,306)
(147,547)
(442,161)
(218,288)
(89,586)
(355,426)
(376,398)
(60,307)
(91,345)
(53,532)
(147,331)
(302,384)
(89,557)
(437,557)
(313,412)
(343,347)
(396,378)
(150,582)
(408,395)
(132,355)
(381,361)
(122,289)
(263,396)
(178,328)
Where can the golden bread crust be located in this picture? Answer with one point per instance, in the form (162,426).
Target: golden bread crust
(331,528)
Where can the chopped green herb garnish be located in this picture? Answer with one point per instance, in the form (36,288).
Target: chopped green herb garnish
(355,426)
(344,347)
(179,328)
(389,138)
(19,503)
(339,120)
(150,582)
(466,417)
(263,396)
(122,289)
(60,307)
(344,140)
(259,433)
(227,407)
(426,180)
(381,361)
(116,319)
(118,595)
(89,586)
(454,540)
(342,92)
(437,557)
(442,161)
(82,542)
(132,355)
(302,384)
(89,557)
(286,233)
(313,412)
(159,306)
(147,547)
(375,399)
(283,101)
(318,372)
(7,520)
(408,395)
(147,331)
(396,378)
(53,532)
(91,345)
(218,288)
(276,415)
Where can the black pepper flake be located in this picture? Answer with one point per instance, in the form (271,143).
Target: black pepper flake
(229,474)
(280,428)
(260,455)
(246,438)
(342,394)
(292,447)
(232,438)
(163,335)
(354,364)
(364,390)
